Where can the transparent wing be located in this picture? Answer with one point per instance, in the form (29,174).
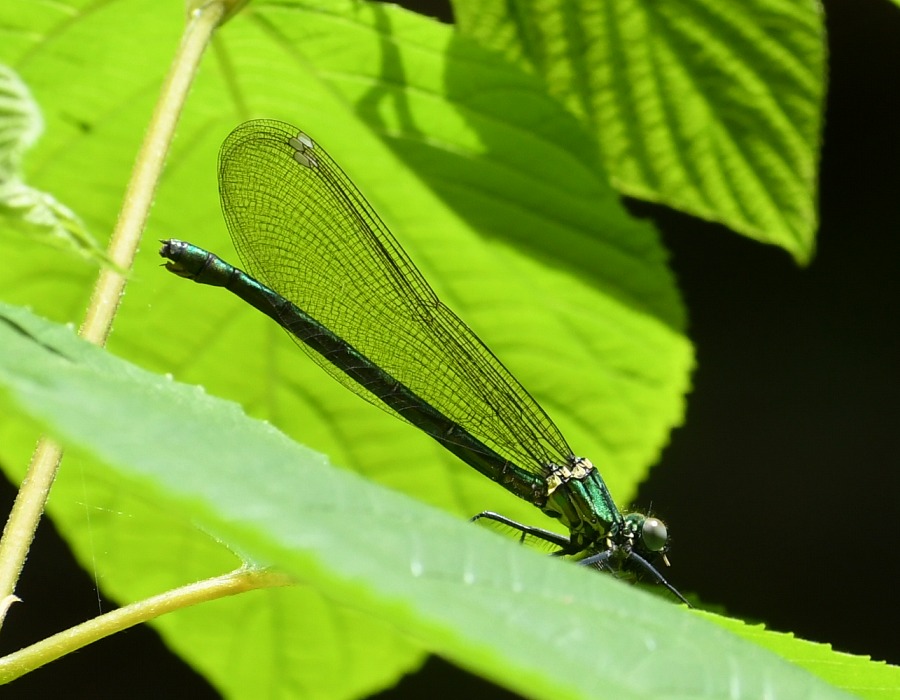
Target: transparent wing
(301,227)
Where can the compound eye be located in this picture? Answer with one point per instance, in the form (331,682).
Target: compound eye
(654,535)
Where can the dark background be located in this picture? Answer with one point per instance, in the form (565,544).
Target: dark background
(781,490)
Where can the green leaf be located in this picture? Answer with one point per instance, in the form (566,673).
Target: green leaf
(714,109)
(874,680)
(488,183)
(23,208)
(494,189)
(594,331)
(538,625)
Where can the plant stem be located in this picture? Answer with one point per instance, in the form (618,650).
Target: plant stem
(32,497)
(28,659)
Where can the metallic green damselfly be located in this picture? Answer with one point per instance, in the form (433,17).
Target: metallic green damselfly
(326,268)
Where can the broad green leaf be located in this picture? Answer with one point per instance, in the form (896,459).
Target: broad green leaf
(712,108)
(860,675)
(538,625)
(490,184)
